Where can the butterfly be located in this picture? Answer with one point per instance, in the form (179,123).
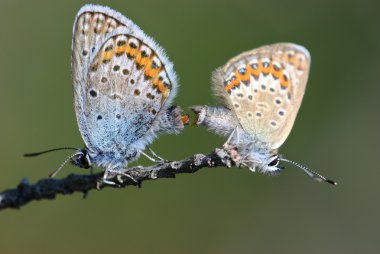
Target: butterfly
(123,85)
(261,92)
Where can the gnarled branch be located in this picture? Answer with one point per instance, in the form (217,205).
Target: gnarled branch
(49,188)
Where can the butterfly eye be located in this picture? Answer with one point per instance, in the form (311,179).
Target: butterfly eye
(83,162)
(82,159)
(274,162)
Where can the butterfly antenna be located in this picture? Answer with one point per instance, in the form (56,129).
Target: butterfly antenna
(310,172)
(48,151)
(52,175)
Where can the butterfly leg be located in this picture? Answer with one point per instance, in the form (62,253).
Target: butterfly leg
(253,169)
(147,156)
(116,172)
(105,179)
(160,160)
(156,156)
(227,143)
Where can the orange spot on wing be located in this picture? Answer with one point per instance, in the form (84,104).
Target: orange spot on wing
(275,73)
(228,87)
(163,89)
(284,80)
(131,51)
(107,55)
(149,71)
(255,71)
(121,49)
(232,83)
(156,82)
(235,82)
(243,77)
(264,69)
(141,60)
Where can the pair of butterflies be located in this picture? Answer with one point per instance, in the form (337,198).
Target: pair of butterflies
(124,85)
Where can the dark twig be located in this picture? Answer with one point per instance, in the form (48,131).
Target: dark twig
(49,188)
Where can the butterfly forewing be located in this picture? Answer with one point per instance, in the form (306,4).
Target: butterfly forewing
(91,25)
(265,87)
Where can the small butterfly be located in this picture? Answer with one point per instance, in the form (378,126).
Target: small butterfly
(261,91)
(123,86)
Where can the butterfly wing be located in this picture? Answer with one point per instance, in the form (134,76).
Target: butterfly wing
(265,87)
(92,24)
(104,93)
(129,82)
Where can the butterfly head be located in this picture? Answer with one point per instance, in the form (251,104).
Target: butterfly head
(82,159)
(272,166)
(264,160)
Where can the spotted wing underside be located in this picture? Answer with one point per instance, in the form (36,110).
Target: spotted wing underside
(104,93)
(127,87)
(265,87)
(91,25)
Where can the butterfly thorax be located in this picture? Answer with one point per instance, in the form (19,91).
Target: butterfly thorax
(254,153)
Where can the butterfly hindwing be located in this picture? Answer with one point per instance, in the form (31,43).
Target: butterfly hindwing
(127,86)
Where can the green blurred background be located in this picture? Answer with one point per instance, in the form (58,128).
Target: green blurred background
(215,210)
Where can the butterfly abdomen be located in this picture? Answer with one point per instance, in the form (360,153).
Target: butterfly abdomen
(219,120)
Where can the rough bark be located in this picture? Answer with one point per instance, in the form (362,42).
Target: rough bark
(50,188)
